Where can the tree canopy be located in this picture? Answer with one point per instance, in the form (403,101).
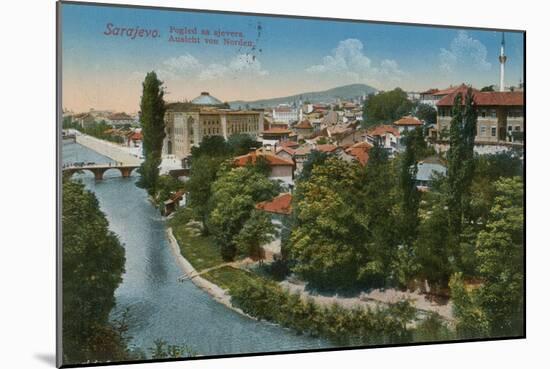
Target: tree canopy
(152,110)
(386,107)
(234,194)
(93,263)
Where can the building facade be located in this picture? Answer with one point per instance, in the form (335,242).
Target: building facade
(500,116)
(187,124)
(285,113)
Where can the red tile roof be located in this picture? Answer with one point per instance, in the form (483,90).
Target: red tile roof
(305,124)
(382,130)
(431,91)
(489,98)
(272,160)
(450,90)
(276,130)
(136,136)
(360,152)
(408,121)
(289,144)
(326,148)
(281,204)
(288,150)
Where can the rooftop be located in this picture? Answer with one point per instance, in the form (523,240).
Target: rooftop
(281,204)
(489,98)
(206,99)
(408,121)
(271,159)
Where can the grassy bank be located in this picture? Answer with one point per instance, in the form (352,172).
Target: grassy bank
(264,299)
(200,251)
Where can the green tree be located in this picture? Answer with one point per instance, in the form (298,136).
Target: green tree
(256,232)
(461,159)
(378,202)
(213,146)
(241,144)
(426,113)
(410,194)
(234,195)
(386,107)
(327,242)
(497,304)
(203,173)
(93,263)
(152,122)
(314,158)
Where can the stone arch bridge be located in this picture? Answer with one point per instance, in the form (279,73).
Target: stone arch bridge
(99,169)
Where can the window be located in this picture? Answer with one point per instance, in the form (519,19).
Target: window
(515,113)
(493,113)
(482,113)
(509,128)
(482,130)
(493,131)
(518,128)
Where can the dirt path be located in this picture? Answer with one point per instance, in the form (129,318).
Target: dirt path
(373,299)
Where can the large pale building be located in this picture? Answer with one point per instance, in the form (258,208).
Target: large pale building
(187,124)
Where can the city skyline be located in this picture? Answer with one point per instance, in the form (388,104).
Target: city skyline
(266,56)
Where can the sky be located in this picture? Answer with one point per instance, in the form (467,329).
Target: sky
(107,51)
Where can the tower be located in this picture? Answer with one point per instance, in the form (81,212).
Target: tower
(502,60)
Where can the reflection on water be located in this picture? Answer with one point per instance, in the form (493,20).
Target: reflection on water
(160,306)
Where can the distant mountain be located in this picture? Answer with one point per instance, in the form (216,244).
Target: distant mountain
(343,92)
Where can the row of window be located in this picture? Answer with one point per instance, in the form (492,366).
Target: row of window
(483,130)
(484,113)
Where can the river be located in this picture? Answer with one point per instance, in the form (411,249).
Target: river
(160,306)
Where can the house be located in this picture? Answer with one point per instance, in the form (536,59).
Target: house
(432,96)
(120,119)
(84,120)
(426,172)
(330,119)
(300,156)
(385,136)
(285,153)
(281,169)
(176,200)
(276,134)
(360,152)
(278,208)
(304,129)
(135,138)
(500,116)
(284,113)
(407,123)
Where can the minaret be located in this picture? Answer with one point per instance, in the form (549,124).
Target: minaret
(502,60)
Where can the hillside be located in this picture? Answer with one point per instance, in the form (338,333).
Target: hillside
(343,92)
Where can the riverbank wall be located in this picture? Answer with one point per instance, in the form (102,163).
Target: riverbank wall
(215,291)
(108,149)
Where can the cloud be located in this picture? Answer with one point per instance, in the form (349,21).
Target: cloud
(240,66)
(182,63)
(464,51)
(187,66)
(349,60)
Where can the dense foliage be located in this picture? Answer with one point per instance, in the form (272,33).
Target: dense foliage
(93,263)
(386,107)
(152,110)
(359,326)
(495,306)
(234,195)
